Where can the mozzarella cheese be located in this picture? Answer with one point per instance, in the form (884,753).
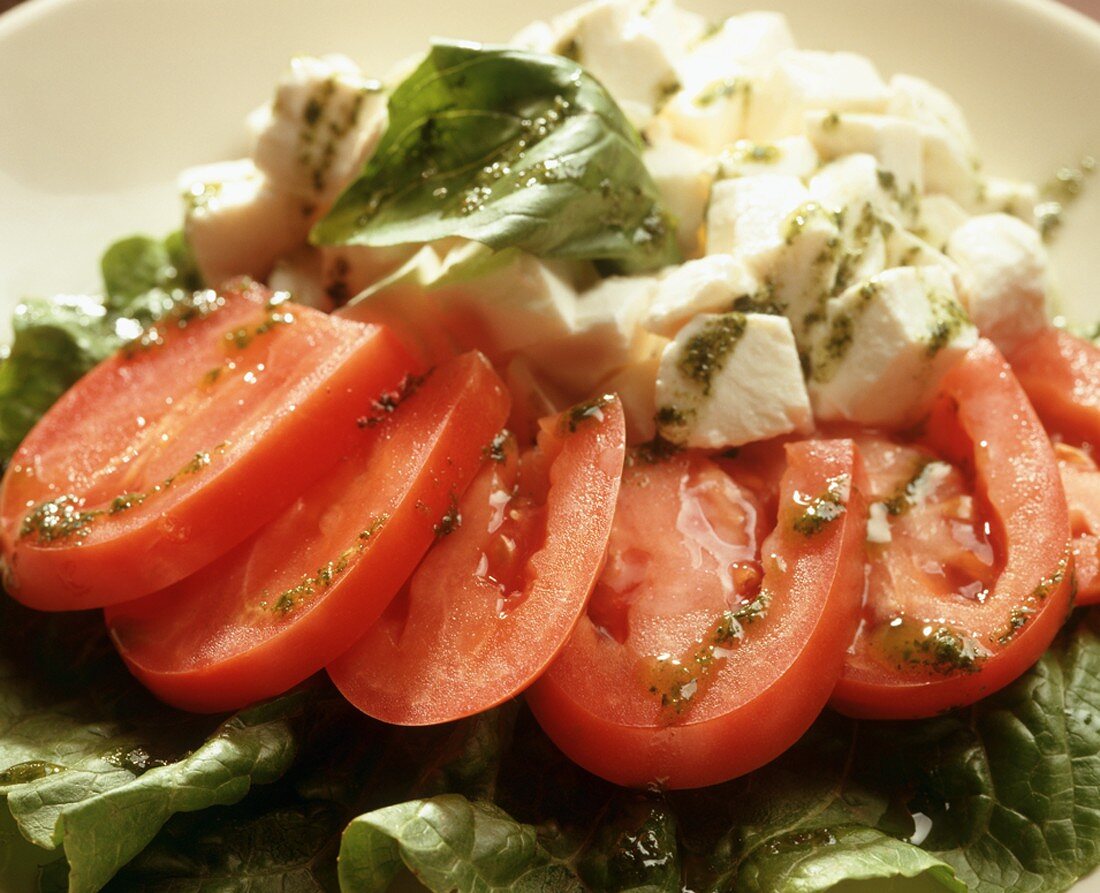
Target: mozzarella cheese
(884,345)
(236,222)
(894,143)
(313,138)
(708,285)
(683,176)
(802,81)
(746,215)
(938,218)
(1003,277)
(299,275)
(730,379)
(792,156)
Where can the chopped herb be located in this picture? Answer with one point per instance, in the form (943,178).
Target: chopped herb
(497,449)
(653,451)
(825,508)
(451,520)
(831,121)
(724,89)
(582,412)
(948,319)
(386,404)
(706,352)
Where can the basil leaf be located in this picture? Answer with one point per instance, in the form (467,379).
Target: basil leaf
(144,277)
(512,149)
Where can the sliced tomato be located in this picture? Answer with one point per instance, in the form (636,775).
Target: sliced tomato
(494,602)
(969,566)
(1061,375)
(169,453)
(298,593)
(1081,478)
(710,645)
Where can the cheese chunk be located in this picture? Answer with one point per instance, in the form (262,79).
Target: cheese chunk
(708,285)
(636,386)
(683,176)
(884,346)
(730,379)
(746,214)
(904,249)
(324,121)
(299,275)
(949,153)
(1003,278)
(605,336)
(1008,197)
(894,142)
(801,81)
(749,42)
(711,116)
(617,42)
(347,270)
(236,223)
(792,156)
(938,218)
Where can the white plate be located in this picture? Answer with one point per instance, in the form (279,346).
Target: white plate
(102,102)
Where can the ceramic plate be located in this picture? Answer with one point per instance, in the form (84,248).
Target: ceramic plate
(102,102)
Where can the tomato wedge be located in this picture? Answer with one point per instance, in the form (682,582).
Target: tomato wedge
(969,562)
(169,453)
(494,602)
(705,652)
(299,592)
(1061,375)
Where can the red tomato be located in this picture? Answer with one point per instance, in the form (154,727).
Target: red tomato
(708,648)
(969,561)
(1061,375)
(1081,478)
(169,453)
(299,592)
(493,603)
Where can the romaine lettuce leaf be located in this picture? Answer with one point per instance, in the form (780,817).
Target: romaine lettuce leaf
(56,340)
(512,149)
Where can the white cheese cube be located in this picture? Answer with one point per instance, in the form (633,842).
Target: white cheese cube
(804,268)
(622,47)
(299,275)
(1003,278)
(707,285)
(923,103)
(538,36)
(236,222)
(605,336)
(748,42)
(636,386)
(683,176)
(997,194)
(938,218)
(884,346)
(730,379)
(346,270)
(802,81)
(746,214)
(849,183)
(324,121)
(792,156)
(894,142)
(711,116)
(904,249)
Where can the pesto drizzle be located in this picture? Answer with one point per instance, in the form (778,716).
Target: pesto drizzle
(706,352)
(825,508)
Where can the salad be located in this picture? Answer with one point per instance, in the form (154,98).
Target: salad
(642,456)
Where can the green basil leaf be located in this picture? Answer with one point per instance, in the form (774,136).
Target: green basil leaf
(512,149)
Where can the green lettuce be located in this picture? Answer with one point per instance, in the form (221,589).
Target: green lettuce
(512,149)
(56,340)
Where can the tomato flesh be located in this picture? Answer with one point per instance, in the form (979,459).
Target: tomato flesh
(969,565)
(1061,375)
(494,602)
(300,591)
(172,451)
(710,644)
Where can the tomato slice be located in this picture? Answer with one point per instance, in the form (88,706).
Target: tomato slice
(969,561)
(493,603)
(1081,478)
(290,599)
(708,648)
(1061,375)
(178,447)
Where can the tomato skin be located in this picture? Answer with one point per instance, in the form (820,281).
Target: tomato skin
(465,645)
(1018,480)
(769,690)
(1081,478)
(226,637)
(316,376)
(1061,375)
